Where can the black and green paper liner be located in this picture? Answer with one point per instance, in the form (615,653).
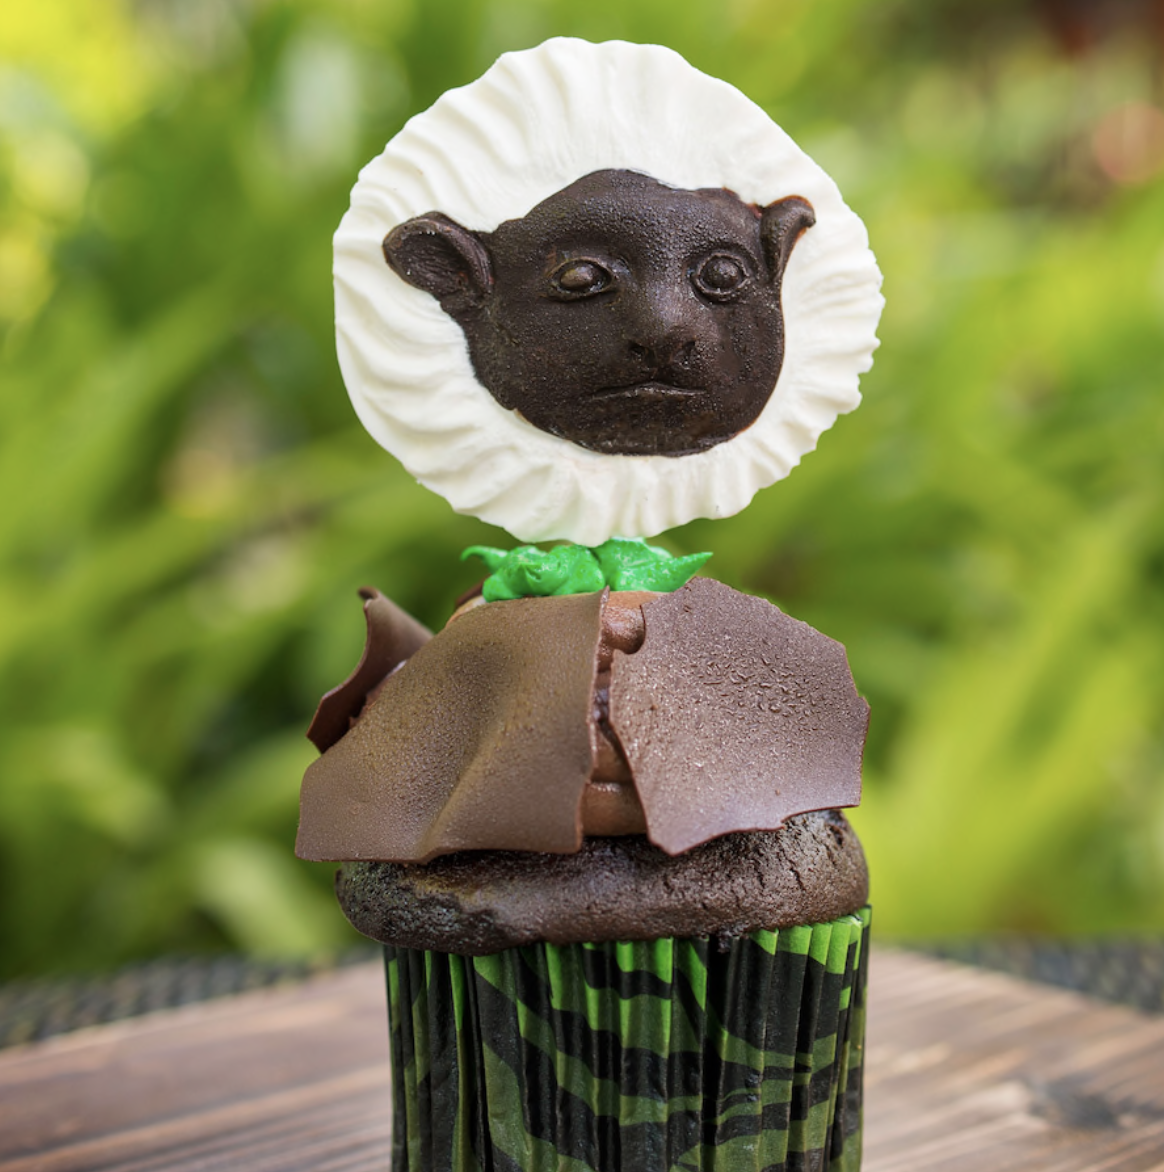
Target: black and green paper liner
(661,1056)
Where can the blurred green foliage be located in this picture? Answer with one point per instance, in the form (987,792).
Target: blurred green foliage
(190,503)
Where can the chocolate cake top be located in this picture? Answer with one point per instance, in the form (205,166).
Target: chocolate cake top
(808,872)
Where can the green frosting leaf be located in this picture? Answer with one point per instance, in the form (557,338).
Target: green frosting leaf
(632,564)
(528,571)
(489,554)
(620,563)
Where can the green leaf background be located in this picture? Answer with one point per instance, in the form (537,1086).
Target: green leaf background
(190,504)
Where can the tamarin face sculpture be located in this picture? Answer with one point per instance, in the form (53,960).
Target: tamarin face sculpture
(621,314)
(604,314)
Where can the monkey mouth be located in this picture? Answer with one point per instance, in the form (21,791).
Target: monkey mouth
(646,392)
(648,418)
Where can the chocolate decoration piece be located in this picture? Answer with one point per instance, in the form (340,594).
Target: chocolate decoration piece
(734,716)
(810,871)
(480,741)
(526,724)
(626,316)
(393,636)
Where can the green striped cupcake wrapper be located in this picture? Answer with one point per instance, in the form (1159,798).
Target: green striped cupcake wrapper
(675,1055)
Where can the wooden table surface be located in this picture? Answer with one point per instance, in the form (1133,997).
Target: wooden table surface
(968,1071)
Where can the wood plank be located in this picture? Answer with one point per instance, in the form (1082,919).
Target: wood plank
(968,1071)
(276,1079)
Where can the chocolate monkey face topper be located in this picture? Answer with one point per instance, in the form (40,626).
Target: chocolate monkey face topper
(603,313)
(620,314)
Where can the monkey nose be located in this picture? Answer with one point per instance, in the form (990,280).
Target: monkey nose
(674,352)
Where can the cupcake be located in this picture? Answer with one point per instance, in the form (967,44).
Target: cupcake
(595,820)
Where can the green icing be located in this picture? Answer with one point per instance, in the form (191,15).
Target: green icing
(622,563)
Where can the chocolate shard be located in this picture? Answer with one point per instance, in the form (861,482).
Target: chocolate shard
(393,636)
(480,741)
(734,716)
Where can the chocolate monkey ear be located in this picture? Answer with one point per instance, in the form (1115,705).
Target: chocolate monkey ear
(438,255)
(781,227)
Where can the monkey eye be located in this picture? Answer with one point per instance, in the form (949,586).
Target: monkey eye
(580,278)
(720,277)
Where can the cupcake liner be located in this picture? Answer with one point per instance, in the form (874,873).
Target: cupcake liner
(674,1055)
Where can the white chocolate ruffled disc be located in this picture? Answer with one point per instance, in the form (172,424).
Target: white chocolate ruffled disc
(534,123)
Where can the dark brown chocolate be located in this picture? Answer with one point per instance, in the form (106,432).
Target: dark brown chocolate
(393,636)
(810,871)
(495,735)
(480,741)
(623,315)
(734,716)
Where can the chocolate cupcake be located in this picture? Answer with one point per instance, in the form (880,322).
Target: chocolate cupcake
(592,952)
(595,820)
